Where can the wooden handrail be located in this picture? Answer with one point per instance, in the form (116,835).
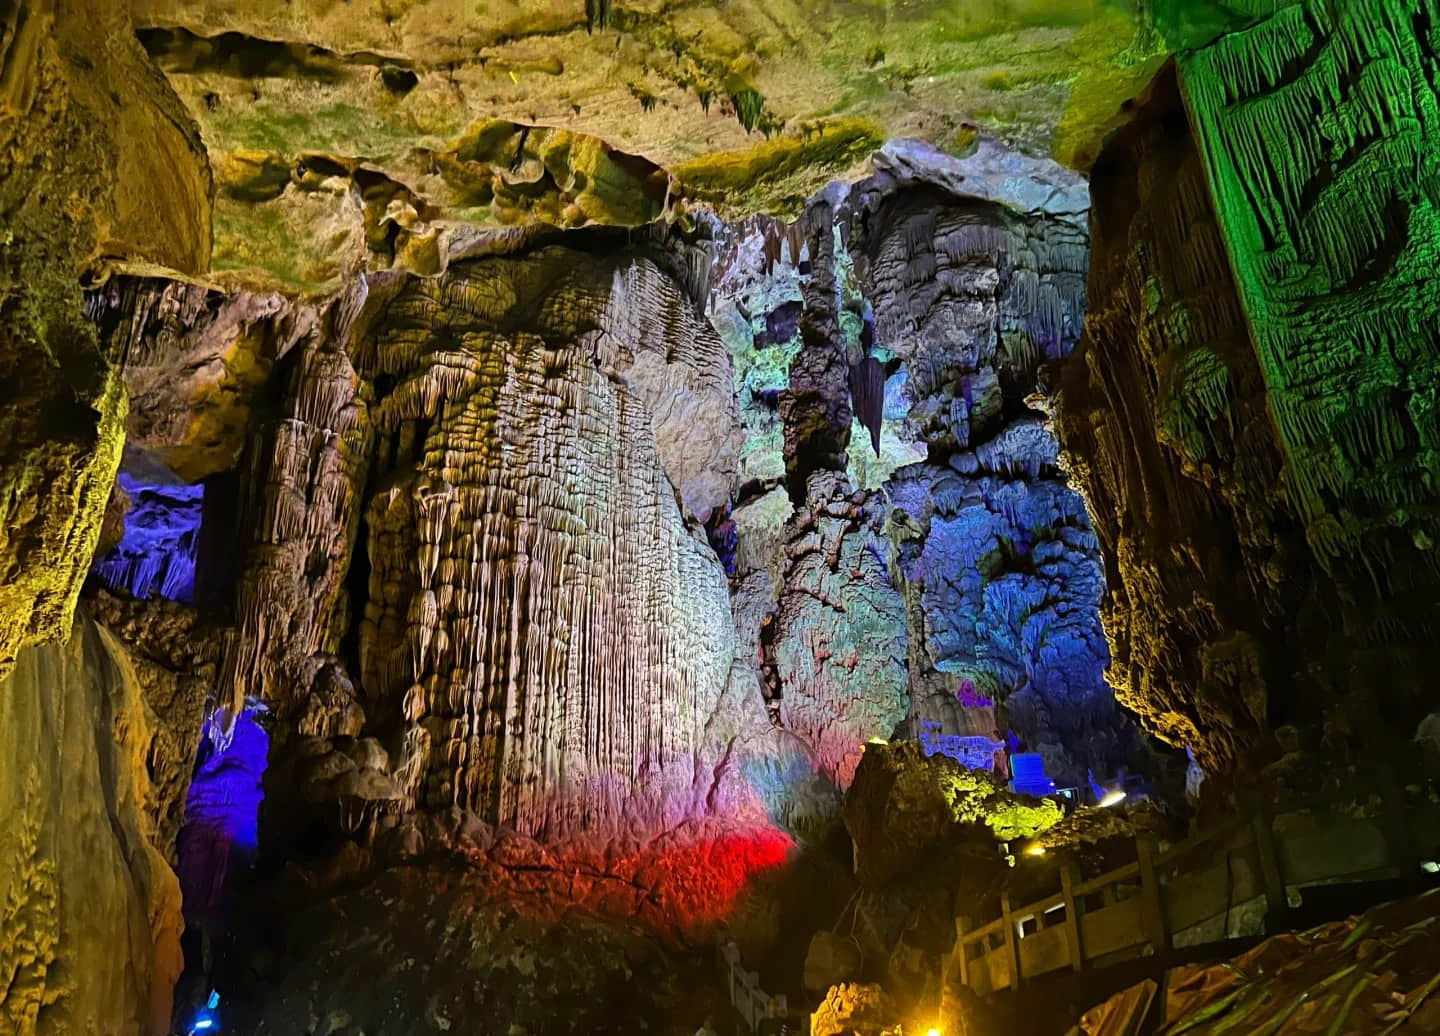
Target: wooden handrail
(1259,820)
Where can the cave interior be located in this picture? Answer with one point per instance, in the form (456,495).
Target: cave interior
(756,518)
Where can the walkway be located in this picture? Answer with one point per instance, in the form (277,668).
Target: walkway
(1223,883)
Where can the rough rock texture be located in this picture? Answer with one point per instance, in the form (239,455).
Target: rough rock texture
(90,932)
(1332,240)
(815,407)
(951,575)
(907,812)
(556,636)
(369,135)
(1164,424)
(87,131)
(174,653)
(840,638)
(975,271)
(195,362)
(301,483)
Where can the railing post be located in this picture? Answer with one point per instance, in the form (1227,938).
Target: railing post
(1269,864)
(962,925)
(1072,918)
(1395,827)
(1152,905)
(1012,944)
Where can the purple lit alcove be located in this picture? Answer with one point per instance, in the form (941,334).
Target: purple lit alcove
(156,556)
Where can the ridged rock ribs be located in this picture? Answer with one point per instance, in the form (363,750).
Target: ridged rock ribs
(555,635)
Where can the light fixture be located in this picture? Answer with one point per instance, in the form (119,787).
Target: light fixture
(1034,849)
(1112,798)
(1430,867)
(878,741)
(933,1032)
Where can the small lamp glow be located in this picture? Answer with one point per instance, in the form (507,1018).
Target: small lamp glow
(878,741)
(933,1032)
(1034,849)
(1112,798)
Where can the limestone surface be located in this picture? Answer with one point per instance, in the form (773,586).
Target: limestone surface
(90,939)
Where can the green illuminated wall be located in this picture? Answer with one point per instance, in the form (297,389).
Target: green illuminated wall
(1320,129)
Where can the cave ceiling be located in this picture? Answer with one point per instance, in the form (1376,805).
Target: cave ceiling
(390,133)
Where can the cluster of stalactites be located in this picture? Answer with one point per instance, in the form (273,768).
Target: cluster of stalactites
(538,612)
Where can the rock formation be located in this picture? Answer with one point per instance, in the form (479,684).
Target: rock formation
(382,137)
(555,636)
(86,129)
(516,532)
(1194,538)
(80,877)
(1241,416)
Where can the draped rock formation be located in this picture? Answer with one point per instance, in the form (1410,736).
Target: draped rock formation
(555,635)
(1332,237)
(1253,420)
(90,929)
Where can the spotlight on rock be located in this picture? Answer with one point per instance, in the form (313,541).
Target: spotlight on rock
(1112,798)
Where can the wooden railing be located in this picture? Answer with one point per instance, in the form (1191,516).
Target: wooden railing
(761,1013)
(1222,883)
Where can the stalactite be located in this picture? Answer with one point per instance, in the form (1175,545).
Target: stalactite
(867,396)
(538,610)
(1333,233)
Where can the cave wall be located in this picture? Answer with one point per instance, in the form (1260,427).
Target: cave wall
(1253,416)
(90,933)
(1318,127)
(1163,417)
(87,131)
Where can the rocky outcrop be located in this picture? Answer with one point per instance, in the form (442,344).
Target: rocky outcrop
(90,940)
(839,644)
(302,481)
(195,363)
(380,137)
(974,269)
(1163,419)
(86,132)
(937,568)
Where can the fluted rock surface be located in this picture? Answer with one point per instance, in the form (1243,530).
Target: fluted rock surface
(1319,128)
(555,635)
(1164,424)
(90,930)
